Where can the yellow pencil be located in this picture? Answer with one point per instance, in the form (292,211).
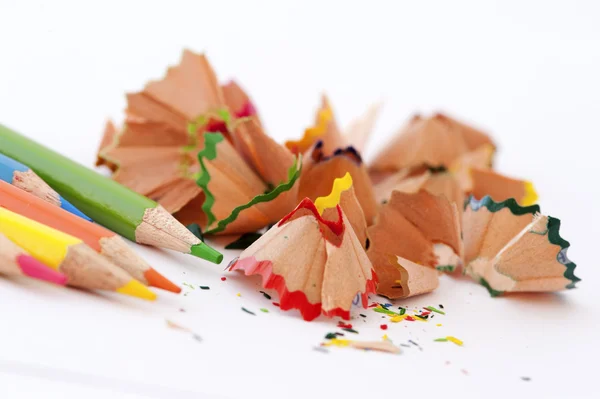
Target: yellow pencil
(83,266)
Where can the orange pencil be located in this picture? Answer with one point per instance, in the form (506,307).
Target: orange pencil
(97,237)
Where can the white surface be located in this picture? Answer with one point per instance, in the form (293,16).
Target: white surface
(527,72)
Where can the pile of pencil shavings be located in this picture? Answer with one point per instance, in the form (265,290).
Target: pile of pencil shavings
(341,228)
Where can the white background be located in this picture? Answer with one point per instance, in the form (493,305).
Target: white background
(527,72)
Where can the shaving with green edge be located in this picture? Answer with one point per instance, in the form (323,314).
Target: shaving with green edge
(432,309)
(494,206)
(210,152)
(550,230)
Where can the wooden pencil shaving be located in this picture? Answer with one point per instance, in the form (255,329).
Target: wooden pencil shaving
(402,242)
(200,149)
(156,152)
(353,211)
(435,142)
(316,265)
(326,130)
(509,248)
(319,171)
(500,188)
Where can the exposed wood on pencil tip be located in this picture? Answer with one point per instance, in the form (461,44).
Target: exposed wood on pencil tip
(85,268)
(117,250)
(33,184)
(160,229)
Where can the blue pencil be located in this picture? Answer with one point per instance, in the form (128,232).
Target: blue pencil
(21,176)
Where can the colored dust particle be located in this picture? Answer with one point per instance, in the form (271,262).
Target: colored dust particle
(401,315)
(381,346)
(350,330)
(341,324)
(450,339)
(415,344)
(438,325)
(176,326)
(249,312)
(204,287)
(189,285)
(223,278)
(432,309)
(265,295)
(383,326)
(276,304)
(264,310)
(238,294)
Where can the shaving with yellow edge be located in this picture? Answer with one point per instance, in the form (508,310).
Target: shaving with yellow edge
(312,134)
(531,196)
(340,185)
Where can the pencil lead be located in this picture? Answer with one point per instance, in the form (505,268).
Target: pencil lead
(155,279)
(137,289)
(203,251)
(36,269)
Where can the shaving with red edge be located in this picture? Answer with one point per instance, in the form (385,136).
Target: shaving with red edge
(316,265)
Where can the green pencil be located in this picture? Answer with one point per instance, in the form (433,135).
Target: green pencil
(105,201)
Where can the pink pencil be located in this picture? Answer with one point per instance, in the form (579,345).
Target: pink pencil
(16,262)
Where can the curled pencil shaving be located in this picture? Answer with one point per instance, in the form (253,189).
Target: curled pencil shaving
(442,183)
(510,248)
(319,171)
(435,141)
(155,153)
(238,200)
(406,240)
(500,188)
(468,175)
(325,129)
(343,194)
(317,266)
(358,133)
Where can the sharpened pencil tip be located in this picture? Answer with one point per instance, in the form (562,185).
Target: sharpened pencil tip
(34,268)
(203,251)
(155,279)
(137,289)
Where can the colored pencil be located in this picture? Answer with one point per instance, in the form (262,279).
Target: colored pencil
(95,236)
(21,176)
(69,255)
(14,261)
(107,202)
